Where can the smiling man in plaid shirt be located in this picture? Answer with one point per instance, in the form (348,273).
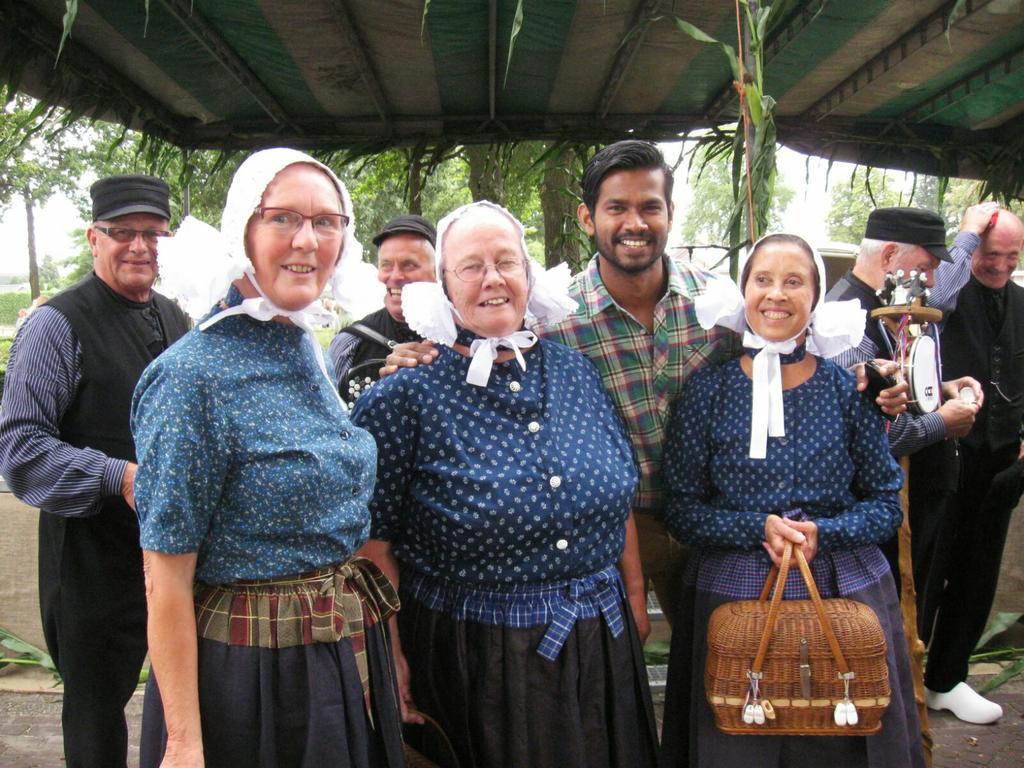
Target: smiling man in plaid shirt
(635,321)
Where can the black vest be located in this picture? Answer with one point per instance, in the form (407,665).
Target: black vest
(849,286)
(383,323)
(971,348)
(117,343)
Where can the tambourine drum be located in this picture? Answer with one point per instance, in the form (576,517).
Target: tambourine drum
(359,379)
(921,372)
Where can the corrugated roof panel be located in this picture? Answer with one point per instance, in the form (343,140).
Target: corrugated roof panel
(536,56)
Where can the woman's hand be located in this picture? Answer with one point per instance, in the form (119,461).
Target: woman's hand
(633,580)
(171,630)
(379,551)
(638,605)
(410,714)
(182,756)
(778,530)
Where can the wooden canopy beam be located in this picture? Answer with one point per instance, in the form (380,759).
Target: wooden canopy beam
(230,61)
(965,87)
(361,58)
(926,30)
(645,14)
(40,36)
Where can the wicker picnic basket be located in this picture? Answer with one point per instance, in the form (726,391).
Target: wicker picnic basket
(796,667)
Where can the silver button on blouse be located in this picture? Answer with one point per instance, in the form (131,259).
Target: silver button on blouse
(555,481)
(533,426)
(515,386)
(562,544)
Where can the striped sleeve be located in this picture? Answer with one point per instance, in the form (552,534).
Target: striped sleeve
(342,350)
(43,374)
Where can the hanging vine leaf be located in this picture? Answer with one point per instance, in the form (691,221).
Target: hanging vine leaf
(517,25)
(703,37)
(753,94)
(70,13)
(954,15)
(423,21)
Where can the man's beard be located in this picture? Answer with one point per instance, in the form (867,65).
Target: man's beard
(607,252)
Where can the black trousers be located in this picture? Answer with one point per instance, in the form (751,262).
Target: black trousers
(93,606)
(968,555)
(934,472)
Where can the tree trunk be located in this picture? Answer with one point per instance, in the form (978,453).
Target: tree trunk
(415,179)
(558,206)
(486,177)
(33,264)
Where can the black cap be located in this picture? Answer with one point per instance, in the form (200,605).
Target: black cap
(121,195)
(914,226)
(407,224)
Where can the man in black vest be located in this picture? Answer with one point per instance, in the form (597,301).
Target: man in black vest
(983,338)
(66,447)
(914,239)
(405,254)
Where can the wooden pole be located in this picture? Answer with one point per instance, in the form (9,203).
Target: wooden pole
(908,606)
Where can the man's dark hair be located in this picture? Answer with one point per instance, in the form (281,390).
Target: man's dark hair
(627,155)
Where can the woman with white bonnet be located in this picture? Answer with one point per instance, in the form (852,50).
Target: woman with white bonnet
(779,446)
(268,638)
(502,508)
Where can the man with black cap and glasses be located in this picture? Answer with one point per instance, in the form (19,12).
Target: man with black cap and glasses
(405,254)
(66,447)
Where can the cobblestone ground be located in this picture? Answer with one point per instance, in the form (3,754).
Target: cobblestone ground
(30,732)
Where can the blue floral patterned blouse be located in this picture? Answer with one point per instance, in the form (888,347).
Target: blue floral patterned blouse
(246,455)
(525,481)
(832,466)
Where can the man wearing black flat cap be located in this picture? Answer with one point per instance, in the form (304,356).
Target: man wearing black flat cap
(914,239)
(911,239)
(66,447)
(405,254)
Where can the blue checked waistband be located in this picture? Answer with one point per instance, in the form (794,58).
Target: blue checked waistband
(559,605)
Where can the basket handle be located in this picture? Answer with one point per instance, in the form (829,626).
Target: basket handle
(773,610)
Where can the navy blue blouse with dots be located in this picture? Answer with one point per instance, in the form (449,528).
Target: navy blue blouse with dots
(247,456)
(528,480)
(833,465)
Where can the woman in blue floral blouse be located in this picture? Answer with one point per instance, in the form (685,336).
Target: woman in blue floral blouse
(503,509)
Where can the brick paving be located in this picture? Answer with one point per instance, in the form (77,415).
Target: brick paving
(30,731)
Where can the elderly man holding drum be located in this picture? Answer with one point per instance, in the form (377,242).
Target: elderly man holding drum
(913,240)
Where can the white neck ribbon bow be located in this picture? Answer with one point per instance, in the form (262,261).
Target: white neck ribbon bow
(261,308)
(485,352)
(767,415)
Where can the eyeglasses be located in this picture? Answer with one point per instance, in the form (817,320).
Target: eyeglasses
(127,234)
(474,271)
(286,222)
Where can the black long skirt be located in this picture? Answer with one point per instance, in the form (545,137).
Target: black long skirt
(690,738)
(301,706)
(503,705)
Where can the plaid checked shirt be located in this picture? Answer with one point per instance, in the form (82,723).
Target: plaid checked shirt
(644,372)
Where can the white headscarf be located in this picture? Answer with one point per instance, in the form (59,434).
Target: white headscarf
(198,265)
(428,311)
(832,327)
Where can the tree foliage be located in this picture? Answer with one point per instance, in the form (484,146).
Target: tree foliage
(706,219)
(852,201)
(34,165)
